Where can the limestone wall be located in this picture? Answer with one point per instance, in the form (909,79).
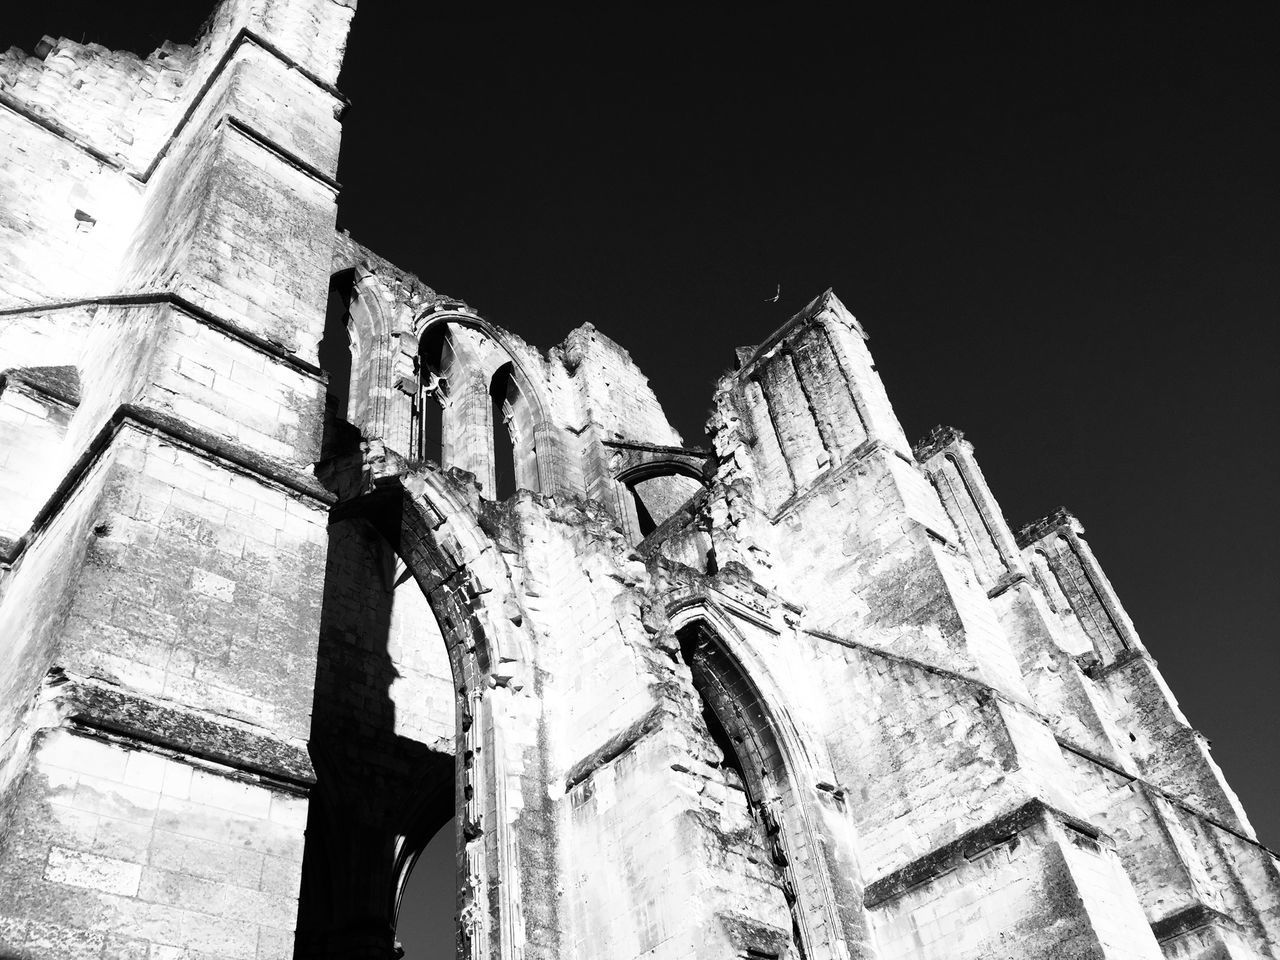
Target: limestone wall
(803,692)
(163,567)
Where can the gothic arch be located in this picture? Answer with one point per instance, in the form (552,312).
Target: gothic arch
(466,581)
(641,511)
(661,467)
(375,407)
(468,426)
(514,432)
(357,870)
(803,811)
(500,337)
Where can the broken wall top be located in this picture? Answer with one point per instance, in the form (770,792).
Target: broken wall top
(126,110)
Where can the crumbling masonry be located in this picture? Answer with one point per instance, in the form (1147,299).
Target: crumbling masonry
(299,557)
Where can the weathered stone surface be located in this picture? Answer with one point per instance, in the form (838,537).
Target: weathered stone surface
(301,558)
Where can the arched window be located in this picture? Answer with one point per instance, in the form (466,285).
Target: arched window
(474,410)
(338,354)
(502,397)
(334,351)
(435,358)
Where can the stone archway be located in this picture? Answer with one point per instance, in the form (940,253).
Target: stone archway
(652,483)
(382,794)
(800,808)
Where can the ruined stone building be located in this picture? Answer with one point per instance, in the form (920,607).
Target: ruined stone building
(300,557)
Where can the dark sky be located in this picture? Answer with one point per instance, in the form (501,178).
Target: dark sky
(1060,227)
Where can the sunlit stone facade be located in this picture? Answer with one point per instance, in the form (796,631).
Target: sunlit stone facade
(300,558)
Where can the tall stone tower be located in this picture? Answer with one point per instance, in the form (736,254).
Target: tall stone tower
(300,559)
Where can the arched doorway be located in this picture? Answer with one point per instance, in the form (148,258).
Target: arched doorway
(799,812)
(388,780)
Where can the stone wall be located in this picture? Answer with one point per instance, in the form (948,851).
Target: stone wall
(266,626)
(163,566)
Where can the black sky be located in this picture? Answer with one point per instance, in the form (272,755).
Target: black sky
(1059,225)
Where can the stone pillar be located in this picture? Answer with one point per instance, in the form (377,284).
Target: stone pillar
(168,611)
(160,616)
(881,523)
(468,429)
(947,459)
(1190,823)
(812,398)
(1167,750)
(1044,646)
(1077,577)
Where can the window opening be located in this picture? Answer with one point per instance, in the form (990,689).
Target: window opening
(643,516)
(435,357)
(334,351)
(501,389)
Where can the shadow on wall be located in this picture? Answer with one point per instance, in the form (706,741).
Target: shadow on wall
(380,796)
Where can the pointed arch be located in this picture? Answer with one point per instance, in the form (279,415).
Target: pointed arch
(802,808)
(515,447)
(361,846)
(372,404)
(465,577)
(472,371)
(436,363)
(657,488)
(504,398)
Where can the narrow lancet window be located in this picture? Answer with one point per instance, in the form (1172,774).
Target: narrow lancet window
(435,358)
(502,395)
(334,351)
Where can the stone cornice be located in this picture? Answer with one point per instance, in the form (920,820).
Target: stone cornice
(201,442)
(101,709)
(178,302)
